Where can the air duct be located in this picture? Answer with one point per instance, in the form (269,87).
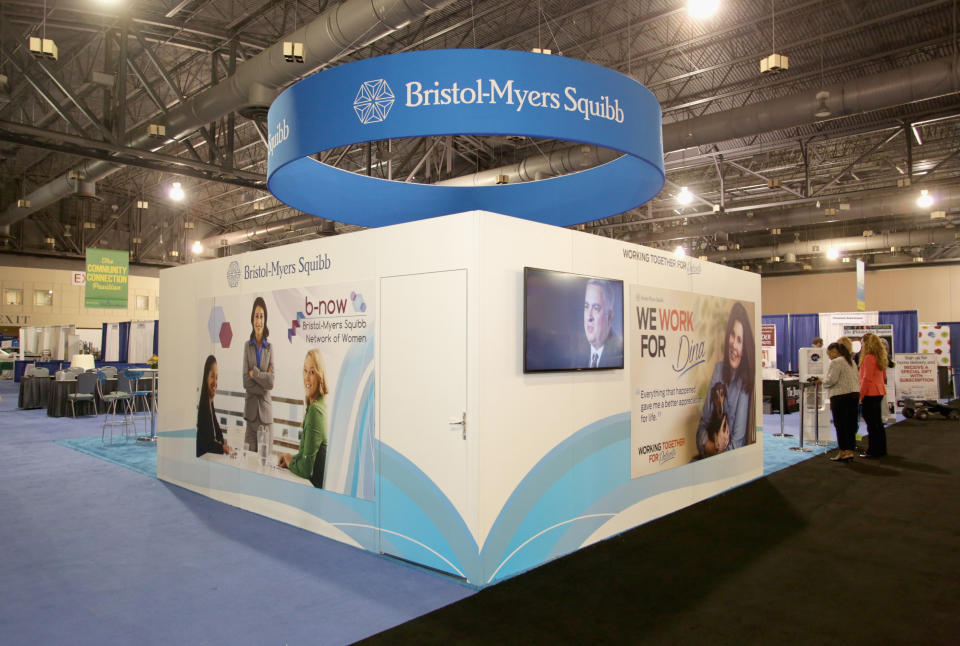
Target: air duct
(849,245)
(885,90)
(804,215)
(330,36)
(897,87)
(559,162)
(238,237)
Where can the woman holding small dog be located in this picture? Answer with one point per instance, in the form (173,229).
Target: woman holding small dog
(842,385)
(725,422)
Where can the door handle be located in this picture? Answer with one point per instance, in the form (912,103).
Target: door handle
(461,423)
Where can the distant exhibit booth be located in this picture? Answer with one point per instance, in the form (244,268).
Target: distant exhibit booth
(475,393)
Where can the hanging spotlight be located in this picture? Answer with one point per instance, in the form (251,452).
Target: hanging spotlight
(176,192)
(197,247)
(925,199)
(685,196)
(823,110)
(833,253)
(702,8)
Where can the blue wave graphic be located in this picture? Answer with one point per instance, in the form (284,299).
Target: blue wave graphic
(555,494)
(351,391)
(423,524)
(571,492)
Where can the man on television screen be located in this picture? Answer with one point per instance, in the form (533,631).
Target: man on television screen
(605,346)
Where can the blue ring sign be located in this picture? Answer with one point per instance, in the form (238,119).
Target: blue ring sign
(465,91)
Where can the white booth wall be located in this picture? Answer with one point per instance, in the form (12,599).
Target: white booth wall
(482,471)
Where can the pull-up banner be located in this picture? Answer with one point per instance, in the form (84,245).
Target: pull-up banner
(107,278)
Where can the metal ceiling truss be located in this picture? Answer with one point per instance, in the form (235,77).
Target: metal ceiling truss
(158,56)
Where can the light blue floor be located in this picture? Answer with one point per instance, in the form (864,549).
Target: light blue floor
(777,451)
(138,456)
(99,555)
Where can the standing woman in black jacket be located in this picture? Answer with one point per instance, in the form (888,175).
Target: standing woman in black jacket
(209,436)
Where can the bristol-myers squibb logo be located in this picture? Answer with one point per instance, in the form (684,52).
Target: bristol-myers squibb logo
(281,135)
(373,102)
(233,274)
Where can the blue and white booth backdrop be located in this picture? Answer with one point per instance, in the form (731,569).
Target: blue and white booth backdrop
(465,91)
(335,320)
(480,470)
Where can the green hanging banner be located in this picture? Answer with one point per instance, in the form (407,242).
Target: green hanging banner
(107,278)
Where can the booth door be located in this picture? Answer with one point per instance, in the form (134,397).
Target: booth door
(423,398)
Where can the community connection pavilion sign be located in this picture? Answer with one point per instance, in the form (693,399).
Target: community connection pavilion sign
(107,278)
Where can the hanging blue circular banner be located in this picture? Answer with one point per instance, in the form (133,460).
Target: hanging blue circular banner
(456,92)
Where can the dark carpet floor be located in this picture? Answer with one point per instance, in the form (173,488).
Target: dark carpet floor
(821,553)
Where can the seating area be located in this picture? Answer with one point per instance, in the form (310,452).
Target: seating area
(52,367)
(125,396)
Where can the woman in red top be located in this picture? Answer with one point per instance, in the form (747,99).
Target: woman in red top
(872,389)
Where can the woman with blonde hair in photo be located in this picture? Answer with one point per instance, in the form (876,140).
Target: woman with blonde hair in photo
(873,364)
(310,461)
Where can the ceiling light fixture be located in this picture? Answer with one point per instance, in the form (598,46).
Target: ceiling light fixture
(197,247)
(925,199)
(680,252)
(823,110)
(702,8)
(685,196)
(916,135)
(833,253)
(176,192)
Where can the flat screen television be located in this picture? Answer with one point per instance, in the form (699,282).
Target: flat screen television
(571,322)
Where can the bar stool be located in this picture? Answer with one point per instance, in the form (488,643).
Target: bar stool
(113,400)
(134,377)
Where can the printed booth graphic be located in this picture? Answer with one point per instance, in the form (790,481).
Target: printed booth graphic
(396,362)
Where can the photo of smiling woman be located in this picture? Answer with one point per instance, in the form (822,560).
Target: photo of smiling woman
(209,436)
(258,379)
(726,422)
(310,461)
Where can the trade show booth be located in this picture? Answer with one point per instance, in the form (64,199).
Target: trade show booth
(473,393)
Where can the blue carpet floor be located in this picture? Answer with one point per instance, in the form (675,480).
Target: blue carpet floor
(100,555)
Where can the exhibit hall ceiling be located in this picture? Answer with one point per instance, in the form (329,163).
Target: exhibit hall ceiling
(846,147)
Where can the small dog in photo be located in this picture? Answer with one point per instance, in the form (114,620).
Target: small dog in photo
(718,419)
